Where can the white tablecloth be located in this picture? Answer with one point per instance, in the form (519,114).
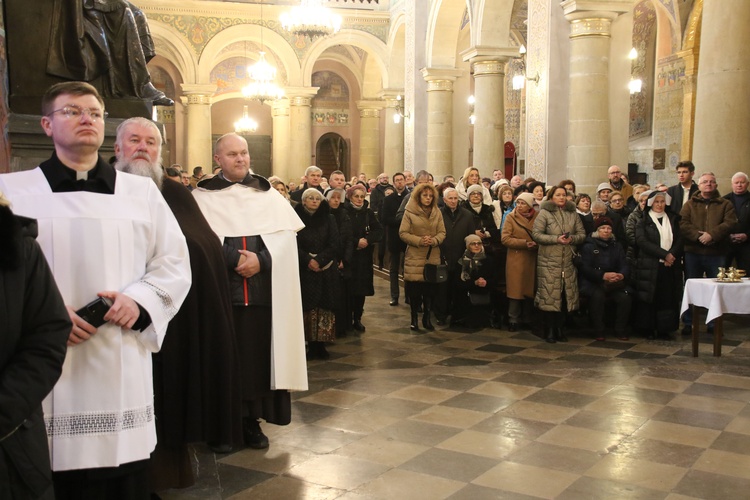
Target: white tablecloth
(718,298)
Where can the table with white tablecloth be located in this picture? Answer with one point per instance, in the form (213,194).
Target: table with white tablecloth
(718,298)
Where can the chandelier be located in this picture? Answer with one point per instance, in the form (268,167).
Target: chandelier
(311,19)
(245,125)
(262,86)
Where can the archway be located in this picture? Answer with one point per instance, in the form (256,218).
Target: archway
(332,153)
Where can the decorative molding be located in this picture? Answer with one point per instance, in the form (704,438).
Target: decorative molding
(369,113)
(300,101)
(597,26)
(483,68)
(197,99)
(439,85)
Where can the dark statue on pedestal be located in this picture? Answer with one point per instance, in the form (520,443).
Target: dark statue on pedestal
(104,38)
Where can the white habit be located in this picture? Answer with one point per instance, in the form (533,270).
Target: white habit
(101,413)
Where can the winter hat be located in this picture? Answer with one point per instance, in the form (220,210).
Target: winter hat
(473,188)
(526,197)
(603,186)
(603,221)
(472,238)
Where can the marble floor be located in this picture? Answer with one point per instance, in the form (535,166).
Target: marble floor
(490,414)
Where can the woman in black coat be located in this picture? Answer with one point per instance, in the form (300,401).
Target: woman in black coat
(476,282)
(35,329)
(318,250)
(658,274)
(335,199)
(603,275)
(366,230)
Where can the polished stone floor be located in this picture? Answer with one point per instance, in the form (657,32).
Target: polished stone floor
(490,414)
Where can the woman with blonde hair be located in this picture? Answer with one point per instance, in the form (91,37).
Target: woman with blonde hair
(423,230)
(471,177)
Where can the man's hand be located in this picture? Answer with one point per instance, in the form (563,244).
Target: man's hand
(362,243)
(313,265)
(249,266)
(612,277)
(738,237)
(124,311)
(705,238)
(81,331)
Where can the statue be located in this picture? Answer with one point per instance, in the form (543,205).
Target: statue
(104,38)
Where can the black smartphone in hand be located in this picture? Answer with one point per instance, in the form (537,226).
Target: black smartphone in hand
(566,235)
(93,312)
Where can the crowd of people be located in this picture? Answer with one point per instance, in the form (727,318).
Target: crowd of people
(148,315)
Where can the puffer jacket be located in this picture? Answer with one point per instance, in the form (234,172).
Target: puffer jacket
(714,215)
(415,224)
(649,252)
(598,257)
(318,240)
(633,219)
(554,268)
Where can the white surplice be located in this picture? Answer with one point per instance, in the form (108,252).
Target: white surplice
(101,413)
(240,210)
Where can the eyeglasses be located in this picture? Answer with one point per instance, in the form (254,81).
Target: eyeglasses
(475,243)
(71,111)
(616,200)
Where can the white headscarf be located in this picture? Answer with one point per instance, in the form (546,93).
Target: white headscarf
(662,223)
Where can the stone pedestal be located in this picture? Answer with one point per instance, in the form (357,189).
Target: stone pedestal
(393,147)
(280,115)
(198,146)
(722,108)
(300,130)
(440,118)
(369,137)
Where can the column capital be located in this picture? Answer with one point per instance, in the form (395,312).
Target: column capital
(590,26)
(691,58)
(390,96)
(280,107)
(486,68)
(300,96)
(440,79)
(479,54)
(596,8)
(197,93)
(370,108)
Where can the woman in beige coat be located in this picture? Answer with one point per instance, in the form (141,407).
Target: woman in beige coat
(421,229)
(556,230)
(520,265)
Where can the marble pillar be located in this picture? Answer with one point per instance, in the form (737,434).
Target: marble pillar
(300,130)
(588,103)
(393,136)
(198,141)
(369,137)
(439,119)
(281,146)
(722,108)
(489,111)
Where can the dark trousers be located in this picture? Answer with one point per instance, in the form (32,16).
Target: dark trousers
(394,268)
(739,257)
(620,300)
(696,265)
(357,303)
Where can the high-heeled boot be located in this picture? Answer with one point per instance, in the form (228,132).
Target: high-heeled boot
(426,319)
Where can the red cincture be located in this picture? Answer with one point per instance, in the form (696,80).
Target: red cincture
(244,280)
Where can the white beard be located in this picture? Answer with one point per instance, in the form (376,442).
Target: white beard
(142,167)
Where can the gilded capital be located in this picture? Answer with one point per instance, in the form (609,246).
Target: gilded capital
(369,113)
(198,99)
(300,101)
(482,68)
(440,86)
(597,26)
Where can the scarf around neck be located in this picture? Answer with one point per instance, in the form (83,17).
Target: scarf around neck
(665,230)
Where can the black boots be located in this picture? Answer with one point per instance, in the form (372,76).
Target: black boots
(414,317)
(426,320)
(253,436)
(560,334)
(549,335)
(317,350)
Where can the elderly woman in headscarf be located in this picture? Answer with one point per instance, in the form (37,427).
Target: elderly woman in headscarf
(475,284)
(658,273)
(318,251)
(503,205)
(470,178)
(335,198)
(520,266)
(366,231)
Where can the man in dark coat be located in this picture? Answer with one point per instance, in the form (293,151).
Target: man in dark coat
(459,223)
(396,247)
(377,195)
(196,376)
(685,187)
(740,198)
(313,176)
(36,326)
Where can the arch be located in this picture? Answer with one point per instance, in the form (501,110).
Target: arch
(442,31)
(344,61)
(171,45)
(668,30)
(332,152)
(375,48)
(491,23)
(250,32)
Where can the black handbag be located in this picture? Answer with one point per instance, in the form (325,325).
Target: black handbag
(435,273)
(479,299)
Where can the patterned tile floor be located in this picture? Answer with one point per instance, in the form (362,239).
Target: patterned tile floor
(492,414)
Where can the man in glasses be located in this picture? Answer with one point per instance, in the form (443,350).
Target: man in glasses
(618,183)
(110,235)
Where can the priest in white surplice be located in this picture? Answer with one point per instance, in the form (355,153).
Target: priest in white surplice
(107,234)
(257,227)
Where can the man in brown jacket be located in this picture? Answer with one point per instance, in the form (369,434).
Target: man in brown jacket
(707,220)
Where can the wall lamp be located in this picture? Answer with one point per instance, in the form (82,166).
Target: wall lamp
(472,116)
(520,80)
(636,84)
(399,111)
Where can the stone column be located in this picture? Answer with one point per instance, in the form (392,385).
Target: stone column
(198,141)
(300,130)
(369,137)
(489,110)
(281,145)
(393,147)
(722,107)
(439,118)
(690,54)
